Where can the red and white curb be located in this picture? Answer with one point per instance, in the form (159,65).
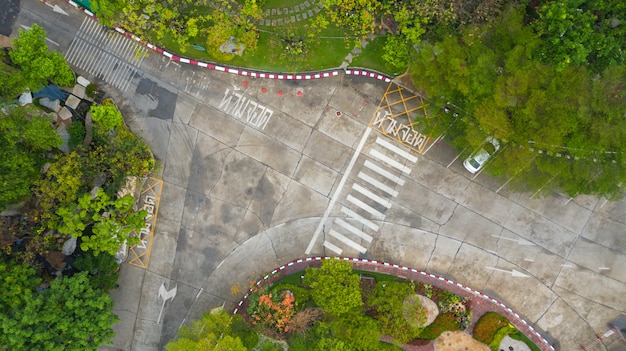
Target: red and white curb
(241,72)
(519,322)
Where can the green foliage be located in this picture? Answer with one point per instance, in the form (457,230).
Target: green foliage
(112,222)
(70,315)
(31,54)
(487,326)
(498,88)
(443,322)
(77,132)
(106,117)
(22,143)
(214,332)
(518,335)
(358,16)
(494,345)
(102,269)
(335,287)
(18,285)
(582,32)
(396,54)
(388,302)
(360,332)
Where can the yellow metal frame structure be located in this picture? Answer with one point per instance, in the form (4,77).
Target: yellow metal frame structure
(396,117)
(150,197)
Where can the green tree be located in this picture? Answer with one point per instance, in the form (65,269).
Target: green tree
(106,117)
(112,222)
(102,269)
(582,32)
(24,137)
(31,54)
(335,287)
(70,315)
(388,301)
(213,332)
(18,285)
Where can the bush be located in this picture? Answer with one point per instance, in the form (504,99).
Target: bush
(102,269)
(500,334)
(488,325)
(77,134)
(444,322)
(518,335)
(248,337)
(90,90)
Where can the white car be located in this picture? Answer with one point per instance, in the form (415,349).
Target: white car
(477,160)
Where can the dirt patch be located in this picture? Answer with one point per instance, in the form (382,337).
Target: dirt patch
(458,341)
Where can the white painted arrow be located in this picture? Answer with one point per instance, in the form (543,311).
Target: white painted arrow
(520,241)
(165,295)
(514,273)
(57,9)
(50,40)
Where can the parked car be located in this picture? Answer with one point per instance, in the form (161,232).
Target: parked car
(478,159)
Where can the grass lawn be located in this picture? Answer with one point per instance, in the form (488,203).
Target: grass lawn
(371,57)
(326,51)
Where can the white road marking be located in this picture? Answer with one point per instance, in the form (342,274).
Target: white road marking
(347,241)
(357,152)
(397,150)
(354,230)
(388,160)
(360,219)
(332,247)
(365,207)
(379,185)
(371,195)
(383,172)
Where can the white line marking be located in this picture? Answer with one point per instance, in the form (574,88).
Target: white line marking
(354,230)
(383,172)
(396,149)
(371,195)
(359,218)
(331,204)
(388,160)
(365,207)
(332,247)
(347,241)
(389,190)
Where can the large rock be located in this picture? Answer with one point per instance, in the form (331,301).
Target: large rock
(415,305)
(53,105)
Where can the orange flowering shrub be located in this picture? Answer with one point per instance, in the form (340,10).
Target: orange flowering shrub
(273,312)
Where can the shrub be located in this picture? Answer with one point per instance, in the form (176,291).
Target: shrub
(488,325)
(273,312)
(500,334)
(518,335)
(77,134)
(90,90)
(444,322)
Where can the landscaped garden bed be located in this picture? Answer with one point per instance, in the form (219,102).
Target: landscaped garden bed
(332,306)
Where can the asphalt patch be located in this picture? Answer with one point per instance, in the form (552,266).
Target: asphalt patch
(8,15)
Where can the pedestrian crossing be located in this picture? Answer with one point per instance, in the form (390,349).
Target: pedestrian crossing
(105,54)
(370,197)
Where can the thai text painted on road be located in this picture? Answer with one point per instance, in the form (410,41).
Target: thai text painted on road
(240,106)
(399,131)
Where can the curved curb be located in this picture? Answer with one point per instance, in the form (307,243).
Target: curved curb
(301,264)
(242,72)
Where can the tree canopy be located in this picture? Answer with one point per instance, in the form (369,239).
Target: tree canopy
(335,287)
(214,332)
(69,315)
(37,64)
(560,122)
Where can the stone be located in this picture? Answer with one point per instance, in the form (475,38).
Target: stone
(310,12)
(306,3)
(82,81)
(273,23)
(72,102)
(457,340)
(79,91)
(64,115)
(316,9)
(293,18)
(53,105)
(296,8)
(280,21)
(273,12)
(267,12)
(298,17)
(304,16)
(56,259)
(285,10)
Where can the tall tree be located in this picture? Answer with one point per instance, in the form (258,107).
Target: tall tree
(335,287)
(213,332)
(70,315)
(31,54)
